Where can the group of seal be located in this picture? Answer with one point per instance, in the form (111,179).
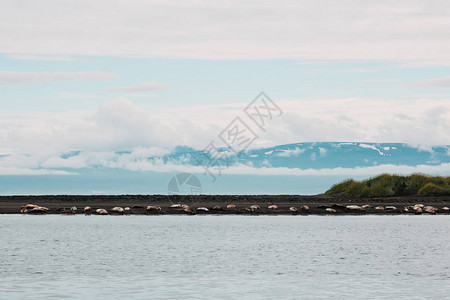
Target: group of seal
(327,209)
(416,209)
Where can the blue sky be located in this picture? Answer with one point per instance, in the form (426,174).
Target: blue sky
(200,82)
(147,76)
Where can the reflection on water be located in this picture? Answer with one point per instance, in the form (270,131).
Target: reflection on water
(204,257)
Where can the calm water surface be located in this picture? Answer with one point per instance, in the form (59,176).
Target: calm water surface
(233,257)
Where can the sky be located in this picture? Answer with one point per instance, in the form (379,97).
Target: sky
(109,76)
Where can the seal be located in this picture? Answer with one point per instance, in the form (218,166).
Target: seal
(390,207)
(153,208)
(118,209)
(29,206)
(418,208)
(272,207)
(354,207)
(101,211)
(430,210)
(38,210)
(190,211)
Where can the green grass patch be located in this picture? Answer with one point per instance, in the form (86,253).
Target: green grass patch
(387,185)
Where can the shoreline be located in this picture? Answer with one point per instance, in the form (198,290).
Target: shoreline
(305,205)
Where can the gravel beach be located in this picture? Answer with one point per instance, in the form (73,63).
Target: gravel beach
(217,204)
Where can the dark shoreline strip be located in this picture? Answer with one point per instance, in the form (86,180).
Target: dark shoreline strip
(138,203)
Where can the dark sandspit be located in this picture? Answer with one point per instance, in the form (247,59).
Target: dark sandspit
(222,204)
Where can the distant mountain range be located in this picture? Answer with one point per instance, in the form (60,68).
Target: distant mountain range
(319,155)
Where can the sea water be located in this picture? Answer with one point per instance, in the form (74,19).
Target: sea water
(232,257)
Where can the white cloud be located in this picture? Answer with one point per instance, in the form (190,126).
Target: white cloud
(294,29)
(122,125)
(17,78)
(25,171)
(424,63)
(43,57)
(359,70)
(110,128)
(289,153)
(441,82)
(415,121)
(116,125)
(382,80)
(442,169)
(142,87)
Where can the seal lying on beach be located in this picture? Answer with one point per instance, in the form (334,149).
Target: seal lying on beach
(29,206)
(101,211)
(230,206)
(190,211)
(417,208)
(430,209)
(37,210)
(117,209)
(330,210)
(87,209)
(354,207)
(305,208)
(272,207)
(202,209)
(153,208)
(293,209)
(390,207)
(254,207)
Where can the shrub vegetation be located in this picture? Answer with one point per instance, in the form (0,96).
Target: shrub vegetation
(387,185)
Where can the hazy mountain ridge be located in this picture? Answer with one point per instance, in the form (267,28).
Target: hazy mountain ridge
(323,155)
